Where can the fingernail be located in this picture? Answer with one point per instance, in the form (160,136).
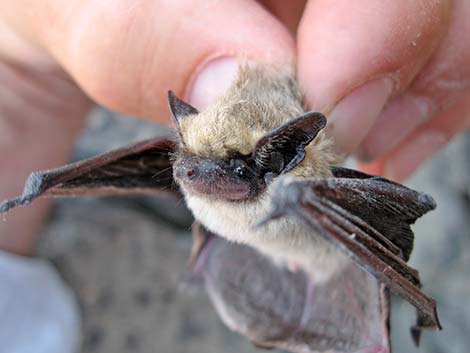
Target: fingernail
(403,164)
(352,118)
(394,124)
(212,81)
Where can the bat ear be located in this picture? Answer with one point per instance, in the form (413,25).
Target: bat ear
(178,108)
(283,148)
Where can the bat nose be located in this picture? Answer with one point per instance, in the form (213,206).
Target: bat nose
(210,169)
(186,172)
(191,173)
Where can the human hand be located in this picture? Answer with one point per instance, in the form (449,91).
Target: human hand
(126,55)
(411,62)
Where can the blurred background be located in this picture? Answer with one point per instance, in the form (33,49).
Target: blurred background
(125,258)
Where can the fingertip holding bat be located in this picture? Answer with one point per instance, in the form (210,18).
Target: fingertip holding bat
(259,175)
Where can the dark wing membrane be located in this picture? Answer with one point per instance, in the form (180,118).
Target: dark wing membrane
(277,308)
(144,167)
(388,207)
(340,172)
(337,209)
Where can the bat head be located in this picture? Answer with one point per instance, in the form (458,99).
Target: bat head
(238,175)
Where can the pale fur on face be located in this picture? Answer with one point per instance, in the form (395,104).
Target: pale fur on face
(260,100)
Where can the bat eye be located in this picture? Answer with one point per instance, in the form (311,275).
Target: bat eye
(240,171)
(238,167)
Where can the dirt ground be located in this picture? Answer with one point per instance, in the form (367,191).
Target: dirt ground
(125,258)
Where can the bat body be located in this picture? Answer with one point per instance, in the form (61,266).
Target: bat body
(287,241)
(259,173)
(259,102)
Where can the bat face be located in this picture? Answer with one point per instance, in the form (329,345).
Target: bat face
(239,176)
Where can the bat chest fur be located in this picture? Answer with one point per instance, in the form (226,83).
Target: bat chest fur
(285,240)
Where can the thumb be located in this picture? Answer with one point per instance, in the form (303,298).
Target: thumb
(354,57)
(126,55)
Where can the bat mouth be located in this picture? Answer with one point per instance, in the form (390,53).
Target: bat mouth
(218,190)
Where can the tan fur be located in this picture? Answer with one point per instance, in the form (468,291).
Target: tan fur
(259,101)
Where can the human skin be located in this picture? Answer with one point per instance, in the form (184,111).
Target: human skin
(392,76)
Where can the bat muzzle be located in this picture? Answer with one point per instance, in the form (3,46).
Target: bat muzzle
(210,178)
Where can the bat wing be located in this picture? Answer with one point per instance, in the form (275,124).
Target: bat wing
(144,167)
(277,308)
(369,218)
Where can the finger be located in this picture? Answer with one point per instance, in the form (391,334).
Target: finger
(441,83)
(423,143)
(127,54)
(354,56)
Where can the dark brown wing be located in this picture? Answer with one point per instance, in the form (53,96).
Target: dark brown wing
(365,217)
(277,308)
(386,206)
(141,168)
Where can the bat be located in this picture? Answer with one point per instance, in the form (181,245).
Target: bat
(295,252)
